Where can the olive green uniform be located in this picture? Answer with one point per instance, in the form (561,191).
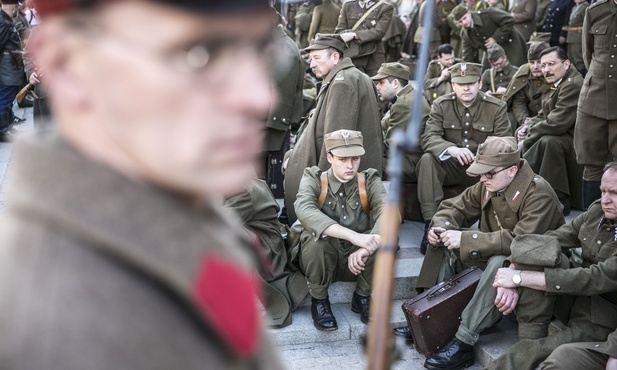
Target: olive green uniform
(574,38)
(582,355)
(452,124)
(596,123)
(432,89)
(588,292)
(325,19)
(324,259)
(492,80)
(499,25)
(303,18)
(524,14)
(368,34)
(283,286)
(397,118)
(524,95)
(549,144)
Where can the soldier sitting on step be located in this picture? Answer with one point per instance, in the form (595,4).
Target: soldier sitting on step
(340,210)
(509,200)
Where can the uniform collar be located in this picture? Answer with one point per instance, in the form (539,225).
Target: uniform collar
(517,190)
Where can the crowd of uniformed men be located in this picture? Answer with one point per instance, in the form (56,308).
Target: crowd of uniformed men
(516,111)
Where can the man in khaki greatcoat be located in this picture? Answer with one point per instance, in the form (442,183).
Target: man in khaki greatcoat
(437,77)
(584,355)
(547,138)
(524,14)
(116,253)
(525,91)
(341,232)
(457,124)
(392,81)
(574,38)
(595,138)
(509,200)
(347,99)
(583,298)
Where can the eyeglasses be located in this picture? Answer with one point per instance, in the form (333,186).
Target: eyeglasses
(550,65)
(489,175)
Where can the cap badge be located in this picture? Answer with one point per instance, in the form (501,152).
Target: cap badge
(345,135)
(463,70)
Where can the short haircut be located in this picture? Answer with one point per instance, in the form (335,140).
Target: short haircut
(610,166)
(333,50)
(444,49)
(561,54)
(400,80)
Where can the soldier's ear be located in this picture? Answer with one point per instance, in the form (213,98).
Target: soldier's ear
(329,157)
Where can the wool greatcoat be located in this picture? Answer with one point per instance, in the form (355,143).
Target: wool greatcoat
(452,124)
(549,143)
(324,259)
(347,99)
(499,25)
(595,134)
(284,286)
(397,118)
(325,19)
(527,206)
(582,355)
(368,34)
(524,95)
(588,292)
(574,38)
(524,13)
(100,271)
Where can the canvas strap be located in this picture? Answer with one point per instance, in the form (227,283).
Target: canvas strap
(359,22)
(361,190)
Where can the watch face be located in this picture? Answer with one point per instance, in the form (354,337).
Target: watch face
(516,278)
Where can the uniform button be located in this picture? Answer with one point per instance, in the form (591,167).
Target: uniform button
(284,120)
(447,223)
(474,236)
(611,66)
(344,217)
(466,132)
(329,203)
(313,234)
(274,118)
(482,128)
(513,87)
(467,114)
(343,206)
(466,146)
(466,140)
(584,239)
(474,254)
(599,242)
(340,194)
(467,123)
(356,203)
(608,229)
(452,126)
(558,287)
(597,345)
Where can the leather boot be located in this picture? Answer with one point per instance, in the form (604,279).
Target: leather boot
(424,243)
(323,319)
(360,304)
(404,332)
(591,192)
(454,355)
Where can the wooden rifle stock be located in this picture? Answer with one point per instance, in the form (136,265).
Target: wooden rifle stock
(22,93)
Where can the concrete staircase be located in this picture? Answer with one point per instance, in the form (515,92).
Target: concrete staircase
(304,347)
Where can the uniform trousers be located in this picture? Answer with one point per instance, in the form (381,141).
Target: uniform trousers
(575,54)
(575,356)
(595,142)
(370,64)
(528,353)
(553,158)
(433,175)
(7,96)
(325,261)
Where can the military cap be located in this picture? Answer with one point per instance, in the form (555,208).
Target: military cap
(536,250)
(396,70)
(535,48)
(459,11)
(465,73)
(344,143)
(495,152)
(325,41)
(495,52)
(45,7)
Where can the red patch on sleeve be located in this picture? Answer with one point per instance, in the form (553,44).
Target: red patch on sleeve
(226,295)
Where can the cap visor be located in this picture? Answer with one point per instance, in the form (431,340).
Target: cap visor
(379,76)
(477,169)
(465,80)
(348,151)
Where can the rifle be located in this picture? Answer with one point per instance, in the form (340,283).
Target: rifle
(380,342)
(22,93)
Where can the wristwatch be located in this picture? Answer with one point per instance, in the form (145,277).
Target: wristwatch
(516,279)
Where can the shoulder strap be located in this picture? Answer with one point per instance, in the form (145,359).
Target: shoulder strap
(359,22)
(324,190)
(362,192)
(492,73)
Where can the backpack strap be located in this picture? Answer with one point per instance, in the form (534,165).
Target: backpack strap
(362,192)
(324,190)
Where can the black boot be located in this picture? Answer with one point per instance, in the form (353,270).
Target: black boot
(323,319)
(360,304)
(454,355)
(565,202)
(424,243)
(591,192)
(405,332)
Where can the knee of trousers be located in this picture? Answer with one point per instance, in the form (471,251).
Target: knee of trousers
(318,259)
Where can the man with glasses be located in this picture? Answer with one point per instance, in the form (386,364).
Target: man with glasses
(547,139)
(495,80)
(509,200)
(116,252)
(525,91)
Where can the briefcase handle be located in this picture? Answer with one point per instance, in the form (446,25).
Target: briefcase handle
(442,287)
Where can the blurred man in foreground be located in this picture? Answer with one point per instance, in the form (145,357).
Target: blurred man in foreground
(115,242)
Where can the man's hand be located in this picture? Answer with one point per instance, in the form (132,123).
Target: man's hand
(562,40)
(348,36)
(506,300)
(356,261)
(522,132)
(445,74)
(503,278)
(451,238)
(611,364)
(34,79)
(464,156)
(489,42)
(526,121)
(501,90)
(370,242)
(433,236)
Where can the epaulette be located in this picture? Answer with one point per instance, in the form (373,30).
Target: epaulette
(591,6)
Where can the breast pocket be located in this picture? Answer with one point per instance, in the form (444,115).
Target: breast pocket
(600,38)
(607,251)
(452,131)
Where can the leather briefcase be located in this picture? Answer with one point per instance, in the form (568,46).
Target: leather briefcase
(434,316)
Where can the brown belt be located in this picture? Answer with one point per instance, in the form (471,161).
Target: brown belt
(566,28)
